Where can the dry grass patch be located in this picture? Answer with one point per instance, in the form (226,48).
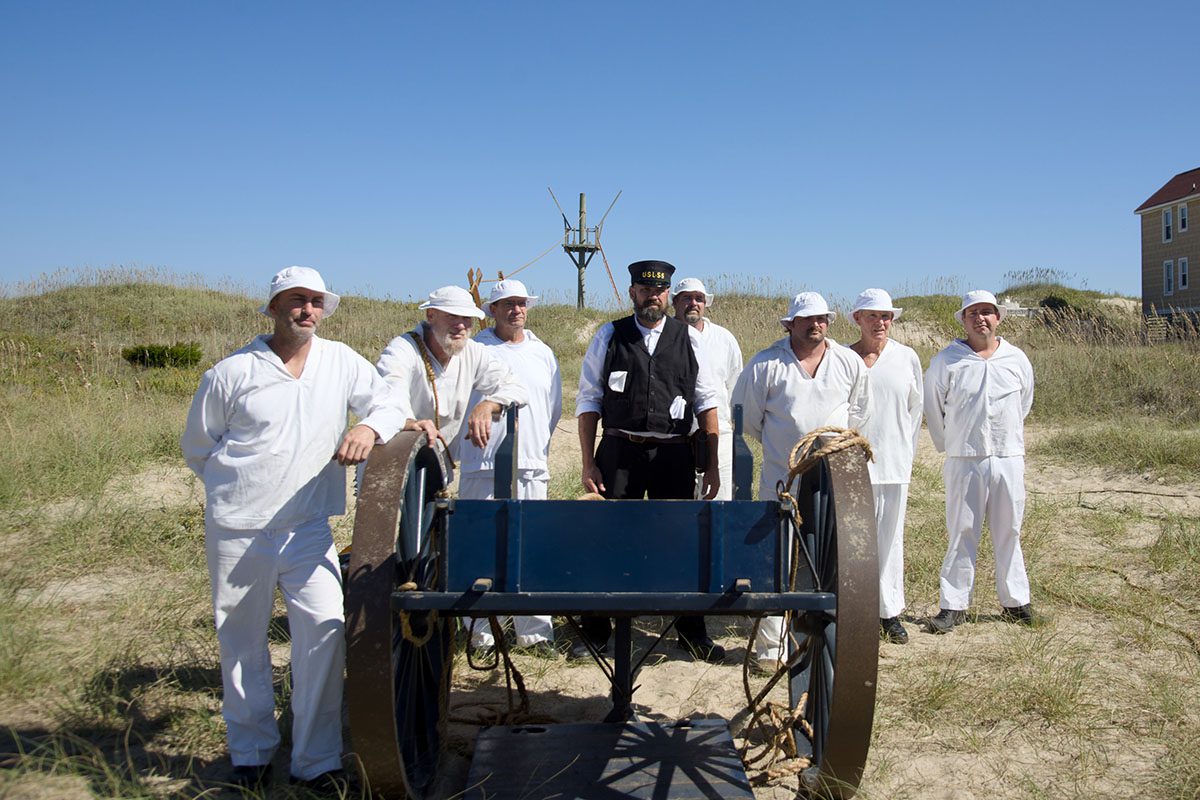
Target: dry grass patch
(109,678)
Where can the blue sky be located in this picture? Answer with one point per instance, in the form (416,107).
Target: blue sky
(780,146)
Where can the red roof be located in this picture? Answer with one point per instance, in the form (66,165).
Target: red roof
(1185,184)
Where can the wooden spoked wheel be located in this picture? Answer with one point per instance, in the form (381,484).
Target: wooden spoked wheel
(835,677)
(397,665)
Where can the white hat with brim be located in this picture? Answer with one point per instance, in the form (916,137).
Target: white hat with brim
(808,304)
(453,300)
(975,297)
(876,300)
(692,285)
(304,278)
(505,289)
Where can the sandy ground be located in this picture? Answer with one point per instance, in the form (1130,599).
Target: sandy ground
(674,686)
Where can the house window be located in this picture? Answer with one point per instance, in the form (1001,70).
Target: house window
(1168,277)
(1182,217)
(1166,223)
(1183,276)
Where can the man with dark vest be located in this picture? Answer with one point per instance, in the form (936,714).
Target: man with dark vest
(645,377)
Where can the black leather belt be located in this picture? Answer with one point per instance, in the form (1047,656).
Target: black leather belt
(633,437)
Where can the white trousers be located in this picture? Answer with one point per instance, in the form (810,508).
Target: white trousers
(768,642)
(977,487)
(531,485)
(245,567)
(891,500)
(724,467)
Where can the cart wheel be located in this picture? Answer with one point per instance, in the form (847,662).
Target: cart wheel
(397,667)
(838,670)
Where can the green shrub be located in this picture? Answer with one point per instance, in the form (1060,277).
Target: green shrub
(163,355)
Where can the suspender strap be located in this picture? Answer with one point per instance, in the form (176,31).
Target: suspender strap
(437,414)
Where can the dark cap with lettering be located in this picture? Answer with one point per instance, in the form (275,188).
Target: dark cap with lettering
(651,273)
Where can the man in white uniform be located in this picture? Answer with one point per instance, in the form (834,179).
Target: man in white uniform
(800,383)
(435,367)
(894,373)
(267,433)
(537,369)
(691,300)
(978,392)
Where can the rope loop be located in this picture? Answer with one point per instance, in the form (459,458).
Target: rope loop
(770,734)
(805,454)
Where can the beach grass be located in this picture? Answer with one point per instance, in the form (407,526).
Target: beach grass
(109,674)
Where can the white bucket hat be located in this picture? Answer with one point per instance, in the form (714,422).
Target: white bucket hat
(808,304)
(876,300)
(305,278)
(509,287)
(453,300)
(692,285)
(978,296)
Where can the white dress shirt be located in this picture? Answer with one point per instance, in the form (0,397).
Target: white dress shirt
(725,359)
(472,369)
(535,367)
(591,381)
(895,420)
(781,402)
(263,441)
(976,406)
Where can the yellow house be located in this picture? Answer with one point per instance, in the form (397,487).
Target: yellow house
(1171,246)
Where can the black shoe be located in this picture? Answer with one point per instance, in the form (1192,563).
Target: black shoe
(580,651)
(946,621)
(893,631)
(250,776)
(334,783)
(1021,615)
(705,649)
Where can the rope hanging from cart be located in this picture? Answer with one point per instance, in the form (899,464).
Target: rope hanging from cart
(772,724)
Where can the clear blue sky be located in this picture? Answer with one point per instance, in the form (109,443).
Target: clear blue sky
(830,146)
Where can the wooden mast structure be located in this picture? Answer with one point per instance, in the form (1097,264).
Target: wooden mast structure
(580,242)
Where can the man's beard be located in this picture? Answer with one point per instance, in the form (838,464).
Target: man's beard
(450,346)
(299,333)
(691,317)
(650,313)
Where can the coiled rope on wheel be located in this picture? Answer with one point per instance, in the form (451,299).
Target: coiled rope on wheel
(769,749)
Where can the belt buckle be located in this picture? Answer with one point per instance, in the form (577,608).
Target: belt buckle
(637,439)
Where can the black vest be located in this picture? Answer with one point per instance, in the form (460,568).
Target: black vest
(651,382)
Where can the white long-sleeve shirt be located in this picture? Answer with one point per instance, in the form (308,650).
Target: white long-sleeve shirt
(725,359)
(591,381)
(894,424)
(263,441)
(472,369)
(976,406)
(781,402)
(536,368)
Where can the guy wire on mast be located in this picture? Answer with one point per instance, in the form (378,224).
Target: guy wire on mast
(581,243)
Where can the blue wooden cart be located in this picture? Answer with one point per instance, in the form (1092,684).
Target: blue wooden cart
(420,559)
